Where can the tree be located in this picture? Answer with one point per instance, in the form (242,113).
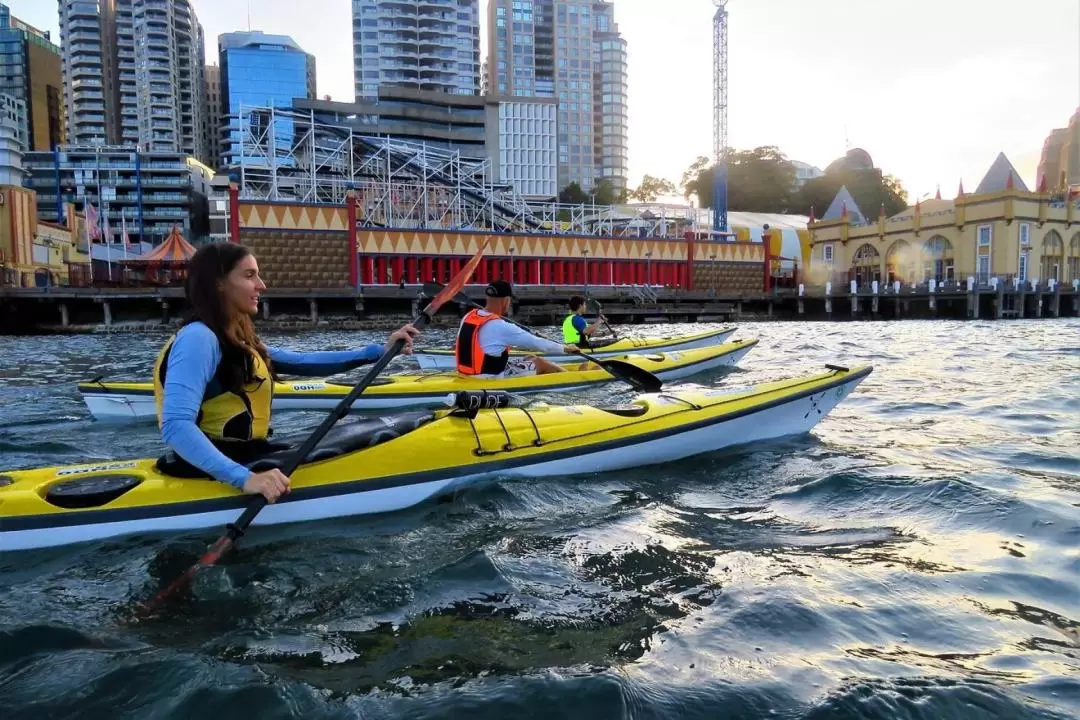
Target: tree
(690,178)
(572,194)
(869,188)
(759,180)
(604,194)
(652,188)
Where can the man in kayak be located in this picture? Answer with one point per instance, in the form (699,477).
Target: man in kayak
(213,379)
(576,330)
(485,339)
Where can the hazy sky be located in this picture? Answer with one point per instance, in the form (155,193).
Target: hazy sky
(933,89)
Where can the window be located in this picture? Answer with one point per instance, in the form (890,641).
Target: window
(985,235)
(1025,235)
(827,254)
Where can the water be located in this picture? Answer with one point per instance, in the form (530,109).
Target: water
(916,556)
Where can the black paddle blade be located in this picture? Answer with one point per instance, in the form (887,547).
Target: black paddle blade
(639,378)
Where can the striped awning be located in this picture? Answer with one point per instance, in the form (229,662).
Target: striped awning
(174,249)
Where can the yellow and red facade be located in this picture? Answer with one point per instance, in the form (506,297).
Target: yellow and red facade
(325,239)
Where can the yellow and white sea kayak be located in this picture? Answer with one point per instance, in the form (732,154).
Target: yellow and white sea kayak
(380,464)
(443,359)
(128,400)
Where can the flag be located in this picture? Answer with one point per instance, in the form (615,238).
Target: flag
(93,232)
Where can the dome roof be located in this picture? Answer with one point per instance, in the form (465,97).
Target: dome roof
(854,159)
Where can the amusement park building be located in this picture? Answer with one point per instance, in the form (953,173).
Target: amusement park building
(320,246)
(1001,230)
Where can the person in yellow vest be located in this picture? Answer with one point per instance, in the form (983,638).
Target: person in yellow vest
(214,379)
(485,339)
(576,330)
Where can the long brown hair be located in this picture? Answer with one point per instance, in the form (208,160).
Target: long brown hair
(235,332)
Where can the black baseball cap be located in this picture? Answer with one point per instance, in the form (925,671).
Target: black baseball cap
(499,289)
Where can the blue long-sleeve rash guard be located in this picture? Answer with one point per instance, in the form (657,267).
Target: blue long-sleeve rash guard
(193,361)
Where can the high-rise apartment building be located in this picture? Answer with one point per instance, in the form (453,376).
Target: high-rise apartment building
(212,76)
(430,45)
(259,70)
(30,73)
(12,143)
(144,193)
(570,50)
(610,121)
(133,74)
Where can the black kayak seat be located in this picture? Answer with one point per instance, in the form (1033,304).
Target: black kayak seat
(346,438)
(99,490)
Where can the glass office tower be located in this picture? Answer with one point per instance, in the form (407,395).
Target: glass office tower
(260,71)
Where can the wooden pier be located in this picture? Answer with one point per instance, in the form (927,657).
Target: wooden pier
(29,310)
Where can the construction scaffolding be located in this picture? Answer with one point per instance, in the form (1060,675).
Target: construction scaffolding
(289,156)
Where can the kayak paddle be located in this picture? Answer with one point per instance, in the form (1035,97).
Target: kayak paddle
(258,502)
(638,378)
(600,312)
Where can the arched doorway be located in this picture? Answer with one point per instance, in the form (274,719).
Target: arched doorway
(1074,257)
(937,253)
(866,265)
(1053,257)
(901,263)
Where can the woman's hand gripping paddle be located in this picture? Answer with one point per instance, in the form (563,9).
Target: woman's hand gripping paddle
(638,378)
(235,530)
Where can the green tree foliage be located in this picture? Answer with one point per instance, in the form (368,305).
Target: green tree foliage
(759,180)
(690,178)
(870,189)
(763,180)
(651,188)
(572,194)
(604,194)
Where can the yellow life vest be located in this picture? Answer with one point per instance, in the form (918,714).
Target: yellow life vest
(225,415)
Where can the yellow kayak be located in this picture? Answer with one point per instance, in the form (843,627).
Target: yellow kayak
(131,400)
(443,359)
(372,465)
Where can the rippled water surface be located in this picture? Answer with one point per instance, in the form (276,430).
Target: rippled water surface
(916,556)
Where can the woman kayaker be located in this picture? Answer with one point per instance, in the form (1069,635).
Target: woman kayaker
(213,379)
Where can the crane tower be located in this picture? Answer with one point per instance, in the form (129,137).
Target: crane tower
(720,61)
(720,108)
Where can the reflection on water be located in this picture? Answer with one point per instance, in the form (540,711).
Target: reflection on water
(916,556)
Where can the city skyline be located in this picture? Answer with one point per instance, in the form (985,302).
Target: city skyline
(977,82)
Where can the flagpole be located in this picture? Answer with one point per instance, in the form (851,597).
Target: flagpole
(108,241)
(89,247)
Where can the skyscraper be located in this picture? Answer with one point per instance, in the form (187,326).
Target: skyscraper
(260,70)
(212,76)
(570,50)
(30,73)
(133,72)
(417,44)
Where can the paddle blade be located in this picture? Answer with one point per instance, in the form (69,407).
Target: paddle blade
(457,283)
(639,378)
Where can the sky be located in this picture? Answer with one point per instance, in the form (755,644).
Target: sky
(932,89)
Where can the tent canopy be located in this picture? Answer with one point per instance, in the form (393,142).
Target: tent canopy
(175,249)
